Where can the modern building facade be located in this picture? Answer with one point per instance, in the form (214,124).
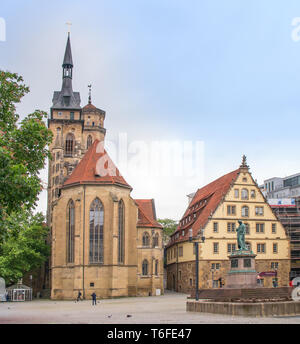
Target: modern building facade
(288,187)
(103,240)
(211,219)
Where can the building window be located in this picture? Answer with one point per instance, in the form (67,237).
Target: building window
(121,233)
(146,239)
(216,247)
(261,248)
(260,228)
(259,211)
(245,180)
(230,227)
(156,267)
(236,193)
(253,194)
(231,210)
(216,227)
(234,263)
(274,265)
(275,248)
(89,142)
(156,240)
(245,194)
(231,248)
(57,167)
(145,267)
(180,251)
(245,211)
(247,263)
(247,228)
(273,228)
(70,231)
(72,115)
(96,253)
(69,148)
(248,245)
(218,265)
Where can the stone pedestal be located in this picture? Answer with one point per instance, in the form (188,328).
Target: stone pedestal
(242,273)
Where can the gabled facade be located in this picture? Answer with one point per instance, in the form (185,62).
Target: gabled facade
(97,228)
(213,214)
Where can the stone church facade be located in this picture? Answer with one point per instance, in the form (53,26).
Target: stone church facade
(103,240)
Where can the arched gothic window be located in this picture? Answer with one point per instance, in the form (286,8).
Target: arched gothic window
(145,267)
(121,233)
(70,231)
(155,240)
(89,142)
(146,239)
(70,144)
(96,253)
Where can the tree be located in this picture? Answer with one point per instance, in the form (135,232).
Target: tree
(24,247)
(169,226)
(23,148)
(23,152)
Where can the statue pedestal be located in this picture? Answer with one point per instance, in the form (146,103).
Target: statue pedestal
(242,273)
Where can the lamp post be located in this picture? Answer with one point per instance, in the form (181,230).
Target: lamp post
(197,259)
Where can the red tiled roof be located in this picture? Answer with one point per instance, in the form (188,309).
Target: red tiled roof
(91,107)
(147,215)
(203,204)
(96,167)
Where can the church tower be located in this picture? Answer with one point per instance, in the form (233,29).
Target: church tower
(74,130)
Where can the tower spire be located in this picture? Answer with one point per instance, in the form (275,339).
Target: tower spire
(90,94)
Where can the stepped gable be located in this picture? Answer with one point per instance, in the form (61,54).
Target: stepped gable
(147,214)
(203,204)
(87,171)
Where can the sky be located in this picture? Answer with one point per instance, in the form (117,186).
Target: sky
(223,73)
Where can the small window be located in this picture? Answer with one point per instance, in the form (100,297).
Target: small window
(274,265)
(231,248)
(273,228)
(245,211)
(259,211)
(275,248)
(60,114)
(92,284)
(261,248)
(260,228)
(180,251)
(247,263)
(230,227)
(247,228)
(253,195)
(216,227)
(231,210)
(245,180)
(236,193)
(245,194)
(216,247)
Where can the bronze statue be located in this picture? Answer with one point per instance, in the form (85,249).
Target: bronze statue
(241,231)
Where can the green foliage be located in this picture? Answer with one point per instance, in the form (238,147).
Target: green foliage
(23,148)
(169,226)
(24,247)
(23,152)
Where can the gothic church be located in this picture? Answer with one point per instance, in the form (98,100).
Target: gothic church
(102,239)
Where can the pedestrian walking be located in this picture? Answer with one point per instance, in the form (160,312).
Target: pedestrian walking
(94,298)
(79,296)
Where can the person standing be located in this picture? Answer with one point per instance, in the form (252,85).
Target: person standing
(79,296)
(94,298)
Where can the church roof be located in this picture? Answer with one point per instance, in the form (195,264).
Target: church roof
(203,205)
(96,167)
(147,213)
(90,107)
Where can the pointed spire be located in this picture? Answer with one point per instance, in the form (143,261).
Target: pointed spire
(90,94)
(68,62)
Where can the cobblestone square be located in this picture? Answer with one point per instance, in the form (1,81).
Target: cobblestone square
(166,309)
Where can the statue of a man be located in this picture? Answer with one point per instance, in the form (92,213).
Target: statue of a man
(241,231)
